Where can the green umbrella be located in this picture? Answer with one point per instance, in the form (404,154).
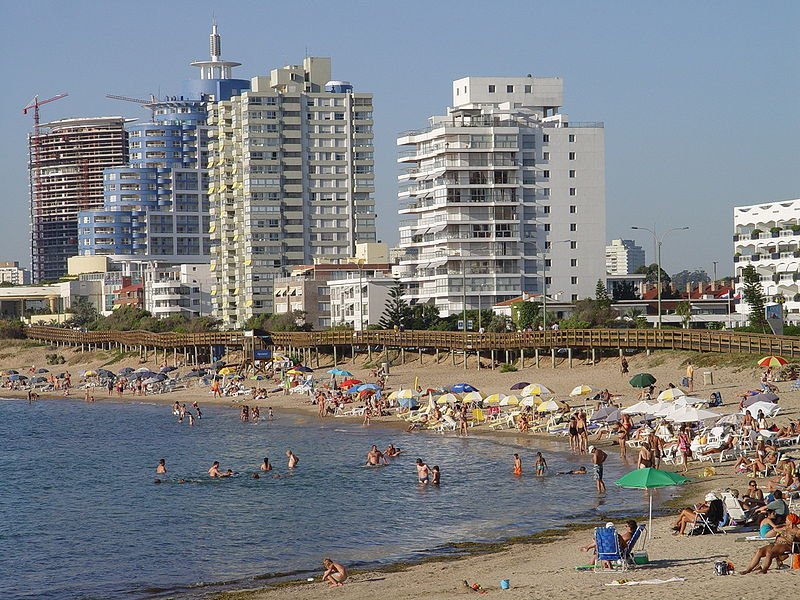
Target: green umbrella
(647,479)
(642,380)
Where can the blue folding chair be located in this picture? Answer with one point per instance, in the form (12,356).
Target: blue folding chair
(608,550)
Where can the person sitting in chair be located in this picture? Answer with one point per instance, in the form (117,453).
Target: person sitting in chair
(711,510)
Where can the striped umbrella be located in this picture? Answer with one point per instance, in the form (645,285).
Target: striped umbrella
(772,361)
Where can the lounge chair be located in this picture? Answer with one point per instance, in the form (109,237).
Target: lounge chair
(478,417)
(737,515)
(446,424)
(607,549)
(709,522)
(627,553)
(503,421)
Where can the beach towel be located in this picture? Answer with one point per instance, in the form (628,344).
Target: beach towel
(645,581)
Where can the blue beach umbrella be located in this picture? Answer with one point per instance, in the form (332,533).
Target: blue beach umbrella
(463,388)
(368,386)
(340,372)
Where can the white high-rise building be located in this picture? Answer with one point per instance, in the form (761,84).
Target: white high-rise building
(767,236)
(503,193)
(623,257)
(291,182)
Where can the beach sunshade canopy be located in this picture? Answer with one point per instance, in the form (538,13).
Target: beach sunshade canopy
(353,389)
(520,385)
(410,403)
(472,397)
(42,370)
(350,381)
(690,414)
(143,370)
(583,390)
(38,379)
(463,388)
(642,380)
(765,397)
(648,479)
(340,372)
(664,409)
(535,389)
(152,380)
(105,373)
(447,398)
(550,406)
(511,400)
(17,377)
(606,414)
(734,419)
(671,394)
(402,394)
(640,408)
(493,399)
(305,369)
(11,372)
(289,372)
(773,361)
(768,408)
(90,373)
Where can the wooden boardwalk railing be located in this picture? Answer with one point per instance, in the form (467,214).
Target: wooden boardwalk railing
(673,339)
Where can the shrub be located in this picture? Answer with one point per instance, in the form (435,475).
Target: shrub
(507,368)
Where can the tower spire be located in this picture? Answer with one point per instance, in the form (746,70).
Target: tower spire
(215,67)
(215,42)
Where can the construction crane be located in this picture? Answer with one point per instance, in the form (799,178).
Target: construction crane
(35,104)
(146,103)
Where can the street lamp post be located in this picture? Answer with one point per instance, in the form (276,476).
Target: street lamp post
(658,241)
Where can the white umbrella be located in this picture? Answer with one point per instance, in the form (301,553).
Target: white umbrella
(550,406)
(671,394)
(640,408)
(768,408)
(583,390)
(668,408)
(733,419)
(529,401)
(690,414)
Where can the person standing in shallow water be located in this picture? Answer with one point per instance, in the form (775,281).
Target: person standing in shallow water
(162,467)
(517,465)
(293,460)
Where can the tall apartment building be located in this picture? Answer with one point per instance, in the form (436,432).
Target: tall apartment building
(500,196)
(767,236)
(291,182)
(623,257)
(66,163)
(156,208)
(11,272)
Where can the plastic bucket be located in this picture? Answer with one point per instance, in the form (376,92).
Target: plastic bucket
(505,584)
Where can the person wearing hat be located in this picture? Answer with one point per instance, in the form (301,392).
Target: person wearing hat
(598,458)
(780,550)
(711,510)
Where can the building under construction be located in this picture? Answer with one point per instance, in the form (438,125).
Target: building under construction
(66,162)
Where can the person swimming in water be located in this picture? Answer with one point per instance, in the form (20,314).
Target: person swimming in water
(517,465)
(540,465)
(391,451)
(578,471)
(375,456)
(293,460)
(423,472)
(161,469)
(435,475)
(265,466)
(215,473)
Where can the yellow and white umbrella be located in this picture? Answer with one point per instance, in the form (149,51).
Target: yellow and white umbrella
(229,371)
(472,397)
(671,394)
(510,401)
(583,390)
(550,406)
(535,389)
(448,398)
(493,399)
(531,401)
(400,394)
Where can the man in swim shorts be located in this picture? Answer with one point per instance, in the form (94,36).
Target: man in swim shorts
(598,458)
(517,464)
(374,457)
(335,574)
(423,472)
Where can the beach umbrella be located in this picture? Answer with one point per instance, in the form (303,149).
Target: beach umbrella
(401,394)
(640,408)
(368,386)
(606,414)
(734,419)
(535,389)
(11,372)
(671,394)
(105,373)
(450,397)
(772,361)
(142,370)
(42,370)
(583,390)
(530,401)
(168,369)
(648,479)
(463,388)
(350,382)
(410,403)
(764,397)
(305,369)
(289,372)
(472,397)
(125,371)
(690,414)
(511,400)
(38,379)
(340,372)
(493,399)
(550,406)
(520,385)
(768,408)
(152,380)
(61,376)
(642,380)
(16,377)
(667,408)
(90,373)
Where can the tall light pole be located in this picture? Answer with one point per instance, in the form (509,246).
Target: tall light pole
(658,241)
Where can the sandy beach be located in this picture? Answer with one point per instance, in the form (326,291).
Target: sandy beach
(545,568)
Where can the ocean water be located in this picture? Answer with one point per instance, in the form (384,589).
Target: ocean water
(82,517)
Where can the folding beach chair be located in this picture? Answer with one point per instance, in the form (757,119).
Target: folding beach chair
(627,553)
(606,542)
(709,522)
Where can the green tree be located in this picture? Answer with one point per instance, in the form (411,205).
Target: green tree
(84,313)
(423,316)
(590,312)
(753,295)
(525,314)
(694,277)
(651,271)
(601,295)
(684,310)
(624,290)
(397,312)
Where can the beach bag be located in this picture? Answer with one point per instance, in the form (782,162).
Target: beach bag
(723,567)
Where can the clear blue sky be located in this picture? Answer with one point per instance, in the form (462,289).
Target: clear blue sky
(699,99)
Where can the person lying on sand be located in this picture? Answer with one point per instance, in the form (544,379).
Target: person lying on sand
(335,574)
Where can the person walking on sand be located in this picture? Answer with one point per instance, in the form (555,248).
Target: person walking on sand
(517,465)
(293,460)
(598,458)
(690,376)
(335,574)
(540,465)
(623,366)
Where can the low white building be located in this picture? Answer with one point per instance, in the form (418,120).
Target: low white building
(359,301)
(180,290)
(767,236)
(48,303)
